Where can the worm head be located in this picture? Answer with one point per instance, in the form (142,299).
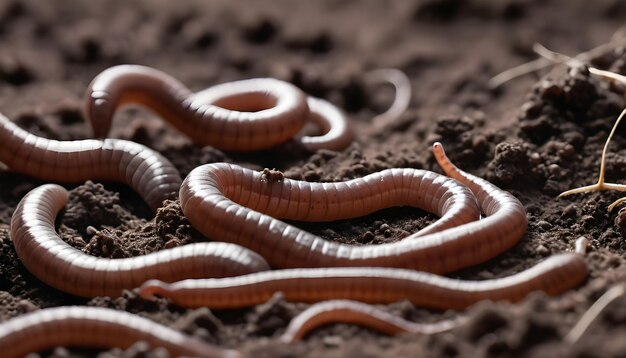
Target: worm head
(438,149)
(100,109)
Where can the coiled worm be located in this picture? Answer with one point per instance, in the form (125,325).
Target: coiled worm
(240,116)
(237,205)
(147,172)
(92,327)
(337,133)
(68,269)
(345,311)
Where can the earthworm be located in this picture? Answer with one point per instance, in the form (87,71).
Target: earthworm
(402,86)
(93,327)
(68,269)
(234,204)
(337,133)
(239,116)
(345,311)
(147,172)
(223,189)
(554,275)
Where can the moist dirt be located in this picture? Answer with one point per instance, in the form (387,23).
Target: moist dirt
(536,136)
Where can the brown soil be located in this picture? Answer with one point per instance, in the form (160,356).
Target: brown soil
(535,137)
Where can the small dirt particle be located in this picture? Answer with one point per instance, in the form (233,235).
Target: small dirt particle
(272,175)
(542,250)
(620,222)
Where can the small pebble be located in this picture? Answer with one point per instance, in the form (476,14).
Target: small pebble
(569,211)
(91,230)
(542,250)
(544,225)
(568,151)
(27,306)
(367,237)
(535,158)
(587,219)
(485,275)
(333,341)
(172,243)
(554,169)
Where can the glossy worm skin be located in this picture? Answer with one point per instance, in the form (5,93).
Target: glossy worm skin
(239,116)
(147,172)
(337,133)
(237,205)
(554,275)
(68,269)
(92,327)
(345,311)
(402,86)
(504,225)
(335,311)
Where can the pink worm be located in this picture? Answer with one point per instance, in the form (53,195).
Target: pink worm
(68,269)
(237,205)
(345,311)
(554,275)
(90,327)
(402,86)
(547,276)
(240,116)
(147,172)
(206,192)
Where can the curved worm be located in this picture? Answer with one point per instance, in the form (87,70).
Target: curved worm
(68,269)
(240,116)
(237,205)
(402,86)
(215,198)
(554,275)
(336,128)
(345,311)
(147,172)
(371,284)
(92,327)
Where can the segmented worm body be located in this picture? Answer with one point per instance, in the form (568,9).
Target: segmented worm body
(554,275)
(147,172)
(335,311)
(66,268)
(345,311)
(91,327)
(233,204)
(366,284)
(240,116)
(337,133)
